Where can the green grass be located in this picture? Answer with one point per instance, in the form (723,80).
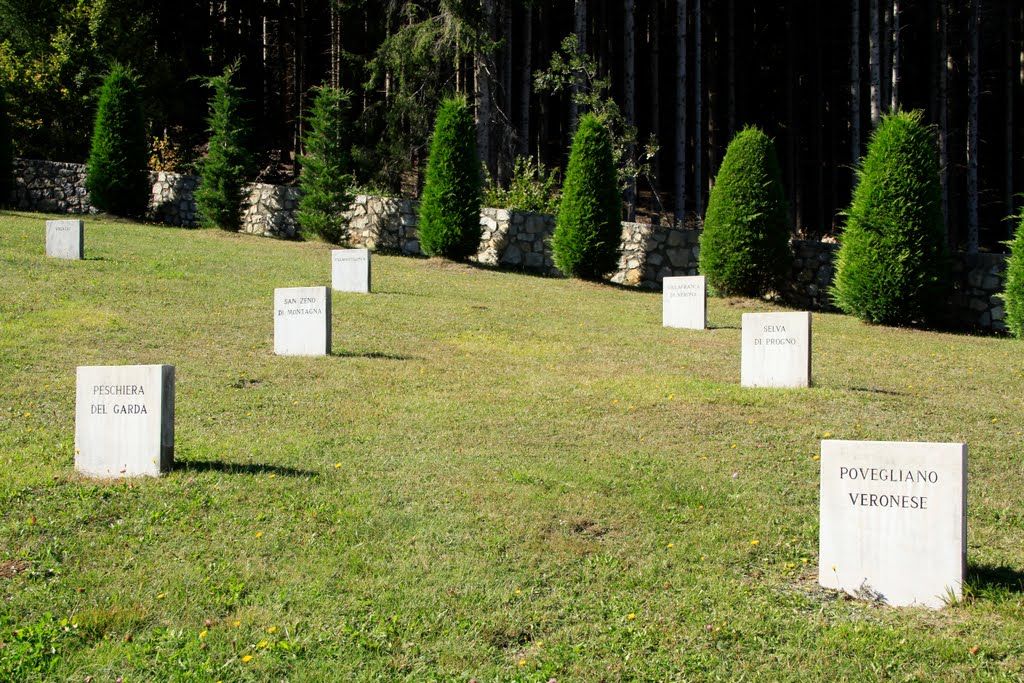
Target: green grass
(495,476)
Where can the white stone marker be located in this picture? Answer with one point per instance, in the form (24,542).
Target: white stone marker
(776,350)
(124,420)
(302,321)
(65,239)
(350,270)
(684,302)
(894,520)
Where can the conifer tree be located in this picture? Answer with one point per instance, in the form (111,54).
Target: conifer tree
(450,207)
(326,165)
(6,152)
(893,265)
(588,227)
(1013,294)
(117,179)
(744,249)
(223,170)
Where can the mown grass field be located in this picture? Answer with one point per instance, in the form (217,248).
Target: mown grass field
(495,476)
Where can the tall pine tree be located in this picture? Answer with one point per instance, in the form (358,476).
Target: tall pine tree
(117,179)
(223,171)
(326,180)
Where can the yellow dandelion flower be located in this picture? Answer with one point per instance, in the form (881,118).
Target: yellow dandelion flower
(236,623)
(522,662)
(161,596)
(815,457)
(262,645)
(732,446)
(202,634)
(826,435)
(519,591)
(28,414)
(630,616)
(671,545)
(246,659)
(271,629)
(671,396)
(259,534)
(337,465)
(755,542)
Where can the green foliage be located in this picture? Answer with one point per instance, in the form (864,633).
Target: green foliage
(744,249)
(577,73)
(223,171)
(893,266)
(415,61)
(1013,294)
(532,188)
(589,223)
(117,179)
(6,152)
(450,208)
(325,181)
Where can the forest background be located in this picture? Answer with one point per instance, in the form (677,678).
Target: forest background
(686,74)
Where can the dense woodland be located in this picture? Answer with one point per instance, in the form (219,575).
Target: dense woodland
(686,74)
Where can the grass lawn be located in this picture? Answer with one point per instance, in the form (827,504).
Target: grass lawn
(495,476)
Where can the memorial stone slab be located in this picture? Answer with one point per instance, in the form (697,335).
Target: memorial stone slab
(302,321)
(893,521)
(65,239)
(124,420)
(350,270)
(684,302)
(776,350)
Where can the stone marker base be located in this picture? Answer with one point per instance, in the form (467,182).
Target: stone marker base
(124,420)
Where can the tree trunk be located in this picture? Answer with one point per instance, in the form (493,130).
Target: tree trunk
(855,115)
(972,128)
(680,112)
(885,40)
(945,66)
(580,29)
(484,97)
(526,82)
(629,94)
(654,33)
(875,58)
(505,152)
(731,20)
(894,86)
(1011,75)
(698,106)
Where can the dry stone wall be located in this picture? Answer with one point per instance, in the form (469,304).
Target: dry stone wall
(510,239)
(59,187)
(978,282)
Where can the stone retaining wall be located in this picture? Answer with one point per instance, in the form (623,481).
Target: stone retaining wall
(512,239)
(978,281)
(59,187)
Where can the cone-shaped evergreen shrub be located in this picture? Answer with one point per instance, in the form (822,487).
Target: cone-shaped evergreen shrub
(6,152)
(1013,294)
(588,227)
(744,249)
(893,266)
(223,171)
(117,179)
(450,208)
(326,179)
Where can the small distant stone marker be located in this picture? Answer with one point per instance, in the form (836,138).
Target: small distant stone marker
(302,321)
(350,270)
(65,239)
(124,420)
(776,350)
(684,302)
(894,520)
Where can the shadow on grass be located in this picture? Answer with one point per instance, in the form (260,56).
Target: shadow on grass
(372,355)
(712,326)
(388,292)
(986,578)
(239,468)
(876,390)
